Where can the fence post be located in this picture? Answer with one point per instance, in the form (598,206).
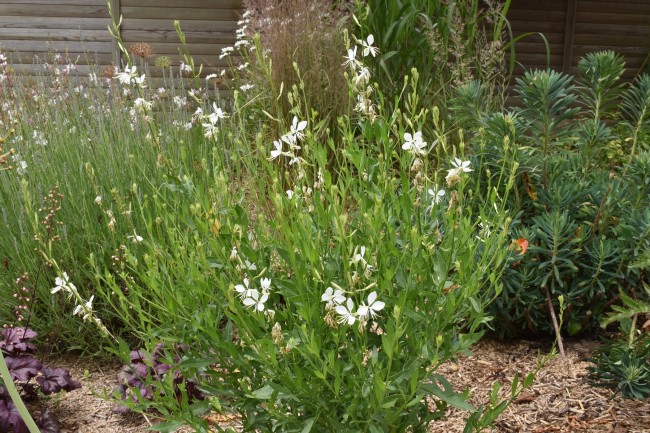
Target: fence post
(117,12)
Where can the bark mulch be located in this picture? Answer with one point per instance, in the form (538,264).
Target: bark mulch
(560,400)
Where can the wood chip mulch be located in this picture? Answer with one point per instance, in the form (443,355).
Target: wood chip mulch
(560,400)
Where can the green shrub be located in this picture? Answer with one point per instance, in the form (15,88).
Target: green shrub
(623,364)
(583,208)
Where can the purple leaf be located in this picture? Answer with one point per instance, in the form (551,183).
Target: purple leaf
(16,340)
(23,367)
(10,418)
(47,423)
(53,380)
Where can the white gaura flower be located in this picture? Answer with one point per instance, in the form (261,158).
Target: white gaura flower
(461,166)
(289,193)
(246,87)
(135,238)
(351,59)
(346,313)
(278,149)
(297,127)
(414,143)
(243,290)
(255,300)
(63,284)
(372,308)
(265,285)
(368,48)
(362,77)
(333,297)
(250,266)
(358,257)
(436,194)
(98,199)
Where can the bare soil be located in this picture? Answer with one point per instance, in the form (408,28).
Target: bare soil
(560,400)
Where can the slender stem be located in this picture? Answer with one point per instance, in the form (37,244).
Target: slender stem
(555,325)
(15,397)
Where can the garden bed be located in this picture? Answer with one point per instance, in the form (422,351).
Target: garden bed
(560,399)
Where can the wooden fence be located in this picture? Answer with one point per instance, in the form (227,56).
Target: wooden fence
(574,28)
(79,28)
(34,27)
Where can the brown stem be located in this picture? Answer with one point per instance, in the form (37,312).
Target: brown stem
(560,345)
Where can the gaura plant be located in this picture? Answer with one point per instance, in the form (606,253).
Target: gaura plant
(323,297)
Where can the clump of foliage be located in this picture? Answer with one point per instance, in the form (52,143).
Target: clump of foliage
(582,207)
(623,364)
(449,43)
(31,377)
(313,296)
(141,380)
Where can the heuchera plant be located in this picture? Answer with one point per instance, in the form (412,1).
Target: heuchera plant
(143,379)
(31,377)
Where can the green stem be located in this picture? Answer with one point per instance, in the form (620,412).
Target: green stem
(15,397)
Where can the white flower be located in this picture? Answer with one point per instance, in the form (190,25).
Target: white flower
(278,149)
(244,291)
(250,266)
(233,253)
(142,104)
(242,43)
(185,68)
(98,199)
(332,297)
(414,143)
(246,87)
(351,58)
(372,308)
(436,194)
(180,101)
(217,114)
(255,300)
(289,193)
(358,257)
(265,285)
(362,77)
(346,313)
(60,283)
(367,46)
(135,238)
(461,166)
(297,127)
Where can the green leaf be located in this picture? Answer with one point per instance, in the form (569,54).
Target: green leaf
(264,393)
(167,427)
(308,425)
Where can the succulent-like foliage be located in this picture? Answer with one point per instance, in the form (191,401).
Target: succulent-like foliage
(582,207)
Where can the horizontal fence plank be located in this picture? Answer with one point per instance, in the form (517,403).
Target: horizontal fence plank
(611,18)
(184,13)
(57,46)
(54,35)
(212,37)
(614,29)
(212,4)
(616,8)
(53,23)
(38,3)
(53,10)
(190,26)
